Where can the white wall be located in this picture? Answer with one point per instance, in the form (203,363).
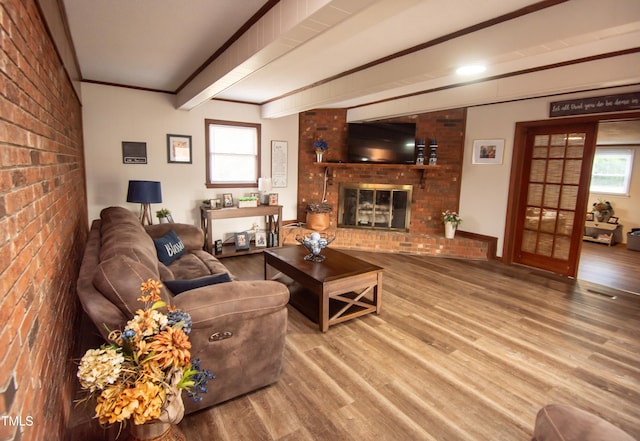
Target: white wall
(485,188)
(114,114)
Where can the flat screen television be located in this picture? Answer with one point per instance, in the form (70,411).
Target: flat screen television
(382,143)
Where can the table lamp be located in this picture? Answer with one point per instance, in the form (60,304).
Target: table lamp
(145,193)
(264,186)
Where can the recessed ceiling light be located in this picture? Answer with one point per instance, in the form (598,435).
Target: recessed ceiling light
(471,69)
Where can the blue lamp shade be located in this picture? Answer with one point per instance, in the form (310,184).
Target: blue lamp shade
(144,192)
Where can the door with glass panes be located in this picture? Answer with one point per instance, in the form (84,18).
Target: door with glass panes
(550,215)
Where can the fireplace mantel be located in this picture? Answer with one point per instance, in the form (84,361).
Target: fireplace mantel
(369,165)
(376,165)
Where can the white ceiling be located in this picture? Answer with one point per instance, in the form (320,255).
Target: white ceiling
(316,53)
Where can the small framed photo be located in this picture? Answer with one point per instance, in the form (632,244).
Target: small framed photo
(273,198)
(261,239)
(590,216)
(612,220)
(169,218)
(242,241)
(217,246)
(179,149)
(488,151)
(215,203)
(227,200)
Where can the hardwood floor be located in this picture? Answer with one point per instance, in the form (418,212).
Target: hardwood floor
(616,266)
(463,350)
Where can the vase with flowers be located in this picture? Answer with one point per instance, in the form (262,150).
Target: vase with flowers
(451,220)
(139,375)
(320,146)
(602,210)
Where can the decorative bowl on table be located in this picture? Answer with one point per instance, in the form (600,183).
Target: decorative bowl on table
(315,243)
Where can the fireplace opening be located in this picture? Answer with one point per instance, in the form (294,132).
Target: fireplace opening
(375,206)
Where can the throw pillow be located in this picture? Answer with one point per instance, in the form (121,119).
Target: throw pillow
(169,247)
(178,286)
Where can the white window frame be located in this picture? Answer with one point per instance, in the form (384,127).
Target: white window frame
(616,152)
(251,179)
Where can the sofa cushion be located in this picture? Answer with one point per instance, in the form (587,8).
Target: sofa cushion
(164,272)
(556,422)
(169,247)
(121,234)
(197,263)
(119,280)
(178,286)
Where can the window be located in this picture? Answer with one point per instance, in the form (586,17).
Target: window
(233,153)
(611,171)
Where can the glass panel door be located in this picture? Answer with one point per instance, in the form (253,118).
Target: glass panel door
(382,209)
(548,234)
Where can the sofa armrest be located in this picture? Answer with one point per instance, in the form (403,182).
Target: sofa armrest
(238,333)
(208,304)
(191,236)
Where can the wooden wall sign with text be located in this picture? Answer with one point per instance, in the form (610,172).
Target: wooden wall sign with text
(601,104)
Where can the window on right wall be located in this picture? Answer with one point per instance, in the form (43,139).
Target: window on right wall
(611,172)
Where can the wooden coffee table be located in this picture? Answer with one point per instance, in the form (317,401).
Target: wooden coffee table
(329,292)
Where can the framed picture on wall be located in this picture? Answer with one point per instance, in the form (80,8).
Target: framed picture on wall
(279,161)
(134,152)
(488,151)
(179,149)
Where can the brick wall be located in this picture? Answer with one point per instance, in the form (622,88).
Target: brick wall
(43,228)
(434,190)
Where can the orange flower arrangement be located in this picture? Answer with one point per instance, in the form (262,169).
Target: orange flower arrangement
(144,366)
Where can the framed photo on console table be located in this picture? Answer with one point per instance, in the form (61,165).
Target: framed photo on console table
(227,200)
(261,239)
(242,241)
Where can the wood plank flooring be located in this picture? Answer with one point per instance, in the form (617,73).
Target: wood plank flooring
(463,350)
(615,266)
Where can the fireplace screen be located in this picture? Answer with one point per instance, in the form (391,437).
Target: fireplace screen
(375,206)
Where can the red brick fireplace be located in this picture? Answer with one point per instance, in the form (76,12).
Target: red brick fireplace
(435,188)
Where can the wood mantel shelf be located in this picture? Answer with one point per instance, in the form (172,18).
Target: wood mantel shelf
(424,168)
(376,165)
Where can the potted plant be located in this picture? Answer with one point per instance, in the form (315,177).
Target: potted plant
(247,201)
(318,215)
(163,215)
(451,220)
